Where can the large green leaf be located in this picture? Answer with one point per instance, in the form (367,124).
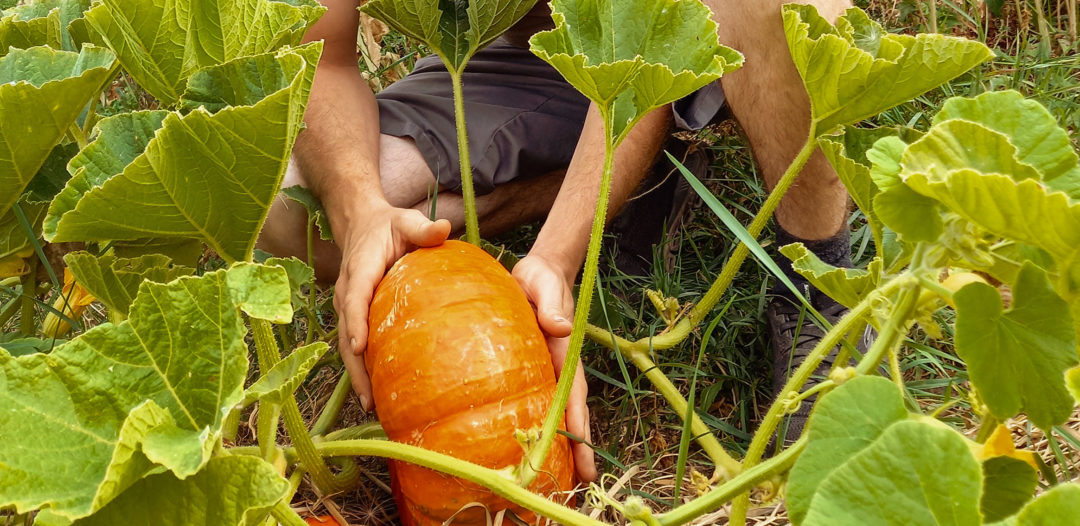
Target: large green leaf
(82,424)
(41,23)
(1017,358)
(845,422)
(163,42)
(1021,211)
(615,53)
(1060,505)
(454,29)
(42,92)
(856,69)
(115,282)
(53,174)
(1035,138)
(229,491)
(847,286)
(918,472)
(29,25)
(203,175)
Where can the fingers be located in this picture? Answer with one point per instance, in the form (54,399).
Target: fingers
(549,293)
(418,230)
(358,376)
(352,298)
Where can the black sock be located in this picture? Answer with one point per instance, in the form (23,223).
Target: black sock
(835,250)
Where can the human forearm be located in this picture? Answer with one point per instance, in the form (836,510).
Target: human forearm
(338,152)
(565,235)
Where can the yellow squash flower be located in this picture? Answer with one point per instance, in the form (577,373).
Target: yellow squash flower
(72,302)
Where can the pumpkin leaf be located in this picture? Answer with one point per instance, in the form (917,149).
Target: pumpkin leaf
(914,216)
(206,176)
(42,92)
(115,282)
(1073,380)
(229,491)
(285,377)
(1034,136)
(1060,505)
(629,68)
(29,25)
(314,207)
(856,69)
(454,29)
(41,23)
(845,421)
(1017,358)
(898,479)
(164,42)
(1008,484)
(123,398)
(847,286)
(299,273)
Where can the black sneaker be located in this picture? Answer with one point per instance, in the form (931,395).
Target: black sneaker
(658,210)
(794,333)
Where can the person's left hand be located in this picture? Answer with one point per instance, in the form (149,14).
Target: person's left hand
(550,290)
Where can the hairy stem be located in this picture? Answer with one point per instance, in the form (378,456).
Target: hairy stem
(333,406)
(266,347)
(501,482)
(468,195)
(535,458)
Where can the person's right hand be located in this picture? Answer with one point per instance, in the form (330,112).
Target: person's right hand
(368,248)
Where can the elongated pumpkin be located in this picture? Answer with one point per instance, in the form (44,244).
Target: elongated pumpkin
(457,364)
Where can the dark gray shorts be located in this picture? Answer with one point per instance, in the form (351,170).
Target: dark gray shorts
(523,119)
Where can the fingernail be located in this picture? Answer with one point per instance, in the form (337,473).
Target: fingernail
(365,403)
(352,343)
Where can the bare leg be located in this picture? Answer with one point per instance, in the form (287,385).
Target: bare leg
(768,99)
(408,183)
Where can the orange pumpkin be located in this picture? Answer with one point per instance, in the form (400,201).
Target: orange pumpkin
(457,364)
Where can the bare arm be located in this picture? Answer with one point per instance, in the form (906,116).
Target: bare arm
(338,157)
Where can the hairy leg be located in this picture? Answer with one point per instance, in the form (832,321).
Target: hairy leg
(768,99)
(407,183)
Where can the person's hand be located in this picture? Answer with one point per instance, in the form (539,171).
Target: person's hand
(369,248)
(549,288)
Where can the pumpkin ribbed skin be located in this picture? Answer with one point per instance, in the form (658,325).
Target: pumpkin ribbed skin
(457,364)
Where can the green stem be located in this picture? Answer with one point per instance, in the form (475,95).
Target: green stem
(799,378)
(741,484)
(333,406)
(9,310)
(555,415)
(894,330)
(285,515)
(266,347)
(266,432)
(499,482)
(371,431)
(468,195)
